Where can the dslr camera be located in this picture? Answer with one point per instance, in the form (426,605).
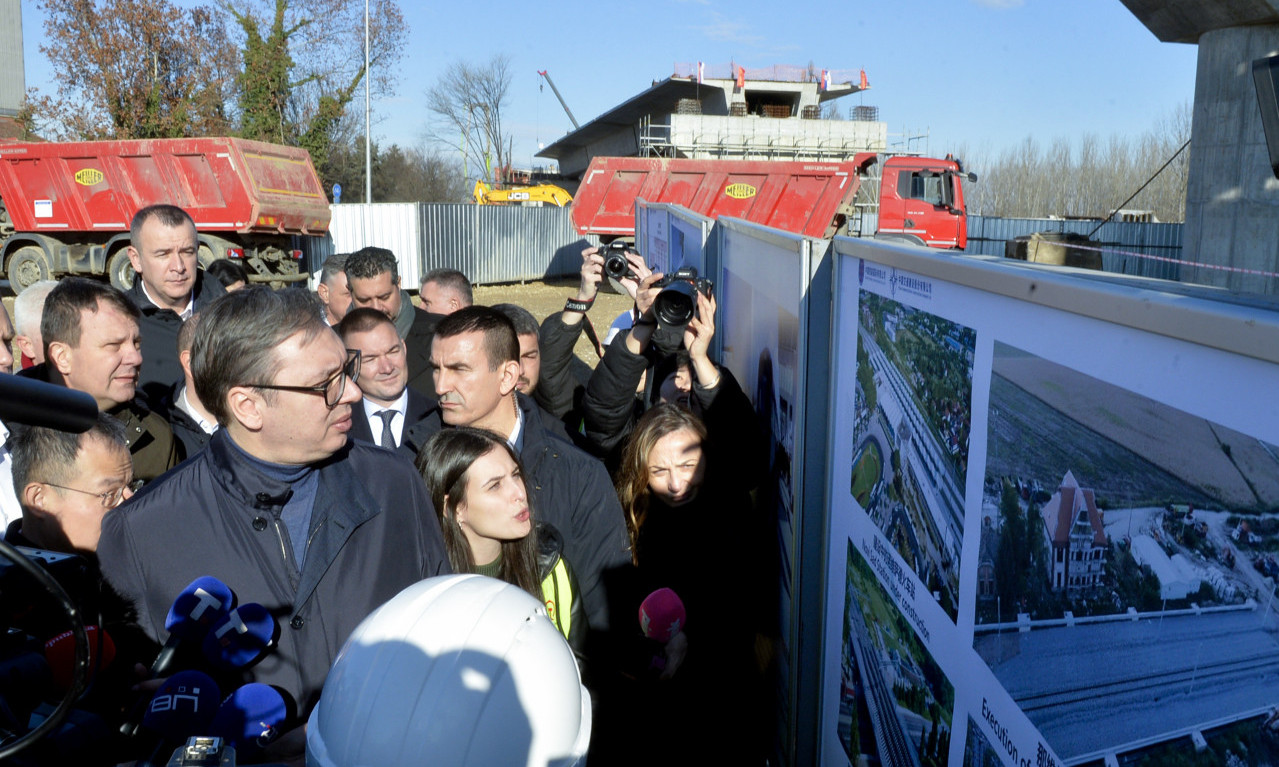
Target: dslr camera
(676,304)
(615,263)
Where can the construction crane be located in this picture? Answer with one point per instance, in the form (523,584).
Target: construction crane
(556,91)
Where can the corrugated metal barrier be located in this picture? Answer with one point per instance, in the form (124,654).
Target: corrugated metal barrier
(488,243)
(1146,249)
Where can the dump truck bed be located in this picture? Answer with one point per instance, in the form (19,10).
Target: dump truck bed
(796,196)
(226,184)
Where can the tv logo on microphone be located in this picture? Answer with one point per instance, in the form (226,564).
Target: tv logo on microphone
(173,701)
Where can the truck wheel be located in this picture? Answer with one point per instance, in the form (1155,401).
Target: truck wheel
(120,270)
(27,266)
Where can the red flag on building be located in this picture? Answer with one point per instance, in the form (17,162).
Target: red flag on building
(865,83)
(741,77)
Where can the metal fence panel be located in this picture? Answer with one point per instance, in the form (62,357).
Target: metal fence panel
(1146,249)
(488,243)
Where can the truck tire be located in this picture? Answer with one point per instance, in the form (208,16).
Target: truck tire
(120,270)
(27,266)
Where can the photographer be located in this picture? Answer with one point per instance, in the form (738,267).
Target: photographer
(559,393)
(641,369)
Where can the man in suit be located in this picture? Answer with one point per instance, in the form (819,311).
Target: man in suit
(373,276)
(389,406)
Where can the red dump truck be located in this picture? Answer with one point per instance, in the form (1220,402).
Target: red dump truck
(917,199)
(65,208)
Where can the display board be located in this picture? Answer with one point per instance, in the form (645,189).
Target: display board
(671,236)
(1052,517)
(760,288)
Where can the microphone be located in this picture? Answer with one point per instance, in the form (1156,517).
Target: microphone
(241,637)
(60,653)
(201,604)
(251,717)
(661,615)
(183,706)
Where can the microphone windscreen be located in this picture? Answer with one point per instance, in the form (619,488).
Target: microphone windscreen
(183,706)
(200,605)
(251,717)
(661,615)
(60,652)
(242,637)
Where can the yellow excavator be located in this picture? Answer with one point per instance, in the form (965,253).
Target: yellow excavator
(540,194)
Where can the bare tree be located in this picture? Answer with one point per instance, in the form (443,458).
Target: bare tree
(1090,177)
(468,102)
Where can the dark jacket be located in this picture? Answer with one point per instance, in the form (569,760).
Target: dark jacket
(151,441)
(570,490)
(556,387)
(186,430)
(373,532)
(159,327)
(417,408)
(417,342)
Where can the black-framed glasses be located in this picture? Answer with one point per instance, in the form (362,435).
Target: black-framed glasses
(333,388)
(111,498)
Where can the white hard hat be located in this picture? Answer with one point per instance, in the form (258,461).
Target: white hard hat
(454,670)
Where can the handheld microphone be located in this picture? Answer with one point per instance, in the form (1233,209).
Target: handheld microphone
(252,716)
(201,604)
(183,706)
(661,615)
(241,637)
(60,653)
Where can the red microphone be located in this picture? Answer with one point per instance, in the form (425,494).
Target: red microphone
(60,653)
(661,615)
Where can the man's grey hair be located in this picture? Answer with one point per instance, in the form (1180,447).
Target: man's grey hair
(168,215)
(49,455)
(29,306)
(369,262)
(451,279)
(333,266)
(238,336)
(521,318)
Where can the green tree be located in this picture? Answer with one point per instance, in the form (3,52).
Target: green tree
(304,65)
(1010,557)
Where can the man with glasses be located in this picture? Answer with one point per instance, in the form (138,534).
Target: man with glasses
(281,505)
(67,483)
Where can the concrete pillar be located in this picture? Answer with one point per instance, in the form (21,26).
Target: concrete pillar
(1232,197)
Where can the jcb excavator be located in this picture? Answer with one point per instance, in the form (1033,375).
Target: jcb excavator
(540,194)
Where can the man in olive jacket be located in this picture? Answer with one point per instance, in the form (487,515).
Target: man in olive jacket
(281,505)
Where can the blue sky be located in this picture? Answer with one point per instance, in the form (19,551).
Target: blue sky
(977,74)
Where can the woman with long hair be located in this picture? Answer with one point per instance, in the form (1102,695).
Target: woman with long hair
(690,521)
(477,486)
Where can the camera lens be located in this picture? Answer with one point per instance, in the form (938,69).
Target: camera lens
(674,306)
(616,266)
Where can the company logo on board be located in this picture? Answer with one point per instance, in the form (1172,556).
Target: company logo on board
(88,177)
(740,191)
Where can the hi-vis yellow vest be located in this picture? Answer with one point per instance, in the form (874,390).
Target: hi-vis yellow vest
(557,595)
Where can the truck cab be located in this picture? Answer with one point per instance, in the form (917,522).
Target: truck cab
(921,200)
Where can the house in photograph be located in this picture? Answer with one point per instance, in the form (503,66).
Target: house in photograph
(1076,537)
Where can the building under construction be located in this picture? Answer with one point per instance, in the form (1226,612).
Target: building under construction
(725,111)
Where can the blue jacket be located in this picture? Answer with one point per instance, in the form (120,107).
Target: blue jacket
(373,532)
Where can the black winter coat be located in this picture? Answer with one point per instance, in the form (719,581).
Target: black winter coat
(159,327)
(373,532)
